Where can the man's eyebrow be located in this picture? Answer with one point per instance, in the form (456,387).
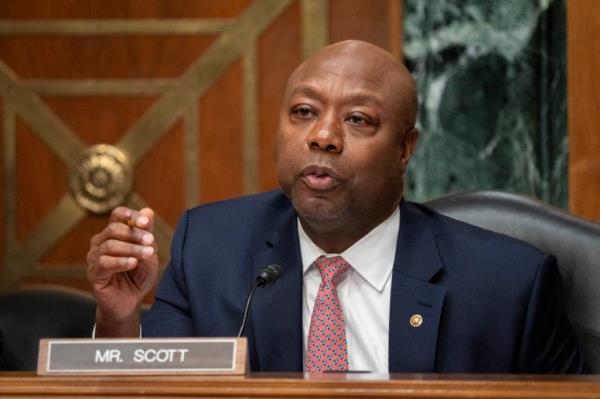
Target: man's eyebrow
(357,98)
(362,98)
(305,91)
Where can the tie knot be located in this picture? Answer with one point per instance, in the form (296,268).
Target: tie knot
(332,269)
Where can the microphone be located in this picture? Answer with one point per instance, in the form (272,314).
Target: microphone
(267,276)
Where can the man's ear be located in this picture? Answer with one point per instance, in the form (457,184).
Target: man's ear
(409,143)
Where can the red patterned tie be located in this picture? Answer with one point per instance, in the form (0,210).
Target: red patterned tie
(326,348)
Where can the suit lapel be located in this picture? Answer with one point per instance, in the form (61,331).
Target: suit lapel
(276,312)
(416,304)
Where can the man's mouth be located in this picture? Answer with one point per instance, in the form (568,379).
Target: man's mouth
(320,178)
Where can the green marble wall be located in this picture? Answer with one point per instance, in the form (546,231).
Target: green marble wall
(492,88)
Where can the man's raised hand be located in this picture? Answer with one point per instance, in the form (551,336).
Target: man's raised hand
(122,267)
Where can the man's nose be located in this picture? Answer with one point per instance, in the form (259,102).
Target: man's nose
(326,136)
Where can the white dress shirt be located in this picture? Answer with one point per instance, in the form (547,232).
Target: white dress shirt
(364,292)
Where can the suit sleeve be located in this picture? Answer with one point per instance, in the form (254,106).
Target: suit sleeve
(170,313)
(548,344)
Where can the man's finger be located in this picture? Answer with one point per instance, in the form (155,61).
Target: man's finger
(145,219)
(122,232)
(116,264)
(122,248)
(121,214)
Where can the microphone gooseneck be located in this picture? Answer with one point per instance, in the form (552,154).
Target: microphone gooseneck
(267,276)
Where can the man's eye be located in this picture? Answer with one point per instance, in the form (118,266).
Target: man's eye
(303,112)
(357,120)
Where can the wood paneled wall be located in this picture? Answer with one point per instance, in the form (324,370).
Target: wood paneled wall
(189,89)
(583,52)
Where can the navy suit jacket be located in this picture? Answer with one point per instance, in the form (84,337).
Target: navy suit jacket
(489,303)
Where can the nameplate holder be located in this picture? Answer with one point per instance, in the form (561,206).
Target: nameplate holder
(192,356)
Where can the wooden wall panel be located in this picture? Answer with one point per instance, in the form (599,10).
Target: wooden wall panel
(583,57)
(358,19)
(220,147)
(159,177)
(71,250)
(190,90)
(40,180)
(280,52)
(99,119)
(99,57)
(2,192)
(130,9)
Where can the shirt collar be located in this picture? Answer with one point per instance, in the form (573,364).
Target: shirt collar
(372,256)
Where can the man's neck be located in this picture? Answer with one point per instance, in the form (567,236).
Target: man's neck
(337,240)
(331,241)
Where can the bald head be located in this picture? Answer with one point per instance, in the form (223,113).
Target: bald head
(359,60)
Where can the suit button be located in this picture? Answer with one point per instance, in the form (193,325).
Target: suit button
(416,320)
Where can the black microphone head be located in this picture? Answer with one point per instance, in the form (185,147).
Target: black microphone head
(268,275)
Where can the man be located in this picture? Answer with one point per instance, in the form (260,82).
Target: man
(370,281)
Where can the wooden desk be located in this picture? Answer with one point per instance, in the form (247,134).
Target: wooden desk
(26,385)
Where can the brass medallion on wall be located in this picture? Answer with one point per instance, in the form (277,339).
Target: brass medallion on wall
(101,178)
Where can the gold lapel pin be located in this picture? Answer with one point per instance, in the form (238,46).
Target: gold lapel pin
(416,320)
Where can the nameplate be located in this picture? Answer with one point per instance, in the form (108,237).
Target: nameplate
(143,356)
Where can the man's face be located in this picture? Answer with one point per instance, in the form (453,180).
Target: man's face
(341,148)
